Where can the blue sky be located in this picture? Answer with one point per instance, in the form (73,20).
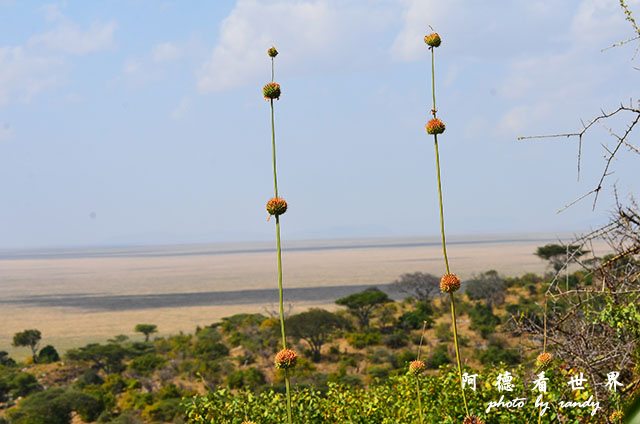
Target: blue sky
(143,121)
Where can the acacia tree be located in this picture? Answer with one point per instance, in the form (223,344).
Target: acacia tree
(30,338)
(419,285)
(361,305)
(314,326)
(146,329)
(558,254)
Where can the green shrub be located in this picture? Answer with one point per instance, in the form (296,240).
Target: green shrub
(396,339)
(444,332)
(483,320)
(54,406)
(360,340)
(23,384)
(48,354)
(414,319)
(146,364)
(438,357)
(165,410)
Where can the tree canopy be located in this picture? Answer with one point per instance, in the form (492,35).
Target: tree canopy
(146,329)
(362,304)
(558,255)
(30,338)
(314,326)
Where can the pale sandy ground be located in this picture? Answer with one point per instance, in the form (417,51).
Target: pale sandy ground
(195,269)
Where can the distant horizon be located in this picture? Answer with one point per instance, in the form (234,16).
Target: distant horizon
(424,239)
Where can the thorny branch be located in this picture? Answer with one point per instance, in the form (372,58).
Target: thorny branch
(621,140)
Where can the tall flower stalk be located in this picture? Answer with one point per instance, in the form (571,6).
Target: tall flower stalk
(286,358)
(449,282)
(416,368)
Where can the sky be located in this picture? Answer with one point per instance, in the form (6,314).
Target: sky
(143,122)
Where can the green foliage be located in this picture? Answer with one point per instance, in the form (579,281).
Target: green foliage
(314,327)
(483,320)
(360,340)
(48,354)
(106,357)
(414,319)
(88,377)
(23,384)
(438,357)
(498,352)
(5,359)
(165,410)
(362,304)
(557,255)
(395,340)
(146,329)
(54,406)
(28,338)
(146,364)
(385,402)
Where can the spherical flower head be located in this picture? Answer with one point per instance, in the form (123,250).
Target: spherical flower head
(271,91)
(272,52)
(544,360)
(435,126)
(472,419)
(276,206)
(449,283)
(285,359)
(416,367)
(433,40)
(616,416)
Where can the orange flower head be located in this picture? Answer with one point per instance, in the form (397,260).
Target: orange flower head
(272,52)
(416,367)
(285,359)
(271,91)
(544,360)
(433,40)
(616,416)
(276,206)
(472,419)
(449,283)
(435,126)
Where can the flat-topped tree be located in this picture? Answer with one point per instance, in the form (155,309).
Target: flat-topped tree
(559,255)
(314,327)
(146,329)
(30,338)
(361,305)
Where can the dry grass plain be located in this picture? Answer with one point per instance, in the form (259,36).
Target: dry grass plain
(89,295)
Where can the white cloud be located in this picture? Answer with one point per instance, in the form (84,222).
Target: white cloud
(165,52)
(23,74)
(40,63)
(516,121)
(310,34)
(69,38)
(601,22)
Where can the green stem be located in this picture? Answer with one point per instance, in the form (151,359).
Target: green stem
(284,340)
(455,339)
(433,81)
(444,243)
(273,146)
(419,400)
(279,248)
